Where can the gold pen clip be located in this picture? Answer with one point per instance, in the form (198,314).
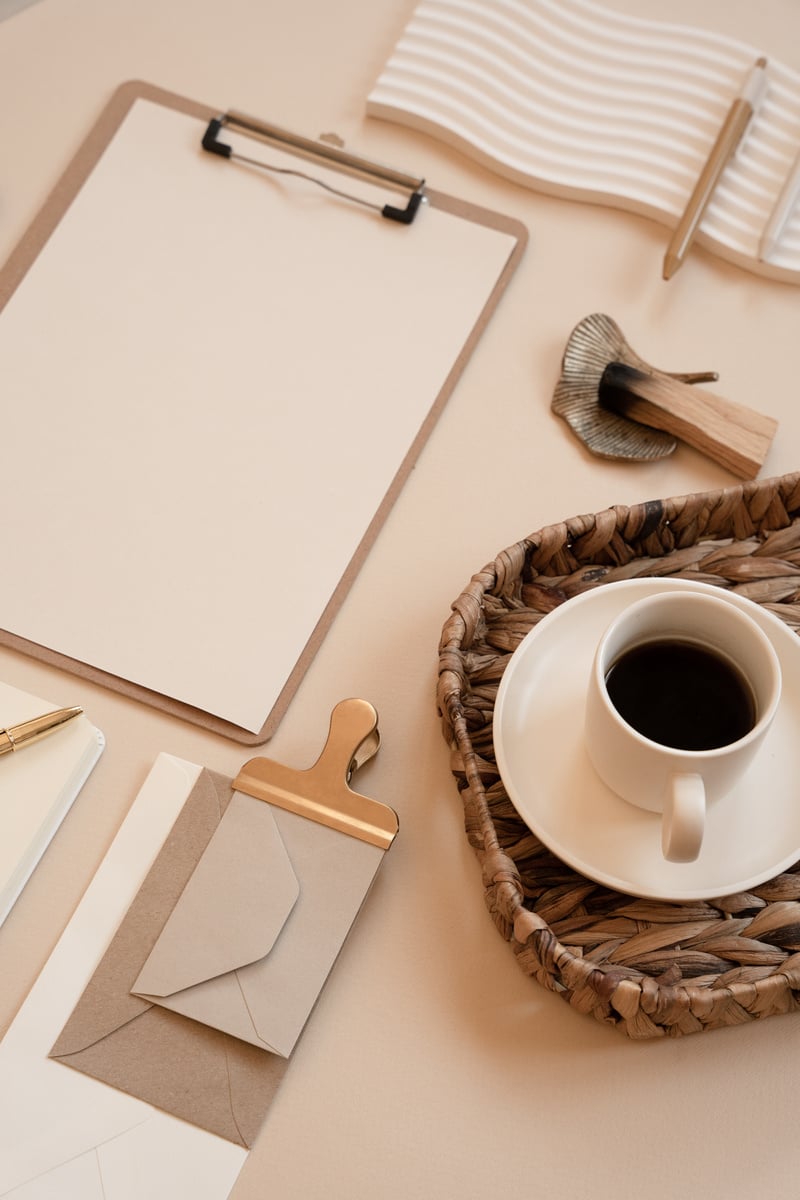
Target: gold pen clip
(322,793)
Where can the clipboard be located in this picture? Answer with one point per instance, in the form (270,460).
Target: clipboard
(142,318)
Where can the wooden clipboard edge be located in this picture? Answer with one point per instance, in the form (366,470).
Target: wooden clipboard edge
(14,271)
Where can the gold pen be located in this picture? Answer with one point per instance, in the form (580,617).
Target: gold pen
(739,116)
(15,737)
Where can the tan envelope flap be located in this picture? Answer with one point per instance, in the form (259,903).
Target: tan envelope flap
(335,840)
(336,873)
(233,907)
(214,1081)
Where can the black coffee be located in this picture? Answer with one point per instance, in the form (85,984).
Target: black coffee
(681,694)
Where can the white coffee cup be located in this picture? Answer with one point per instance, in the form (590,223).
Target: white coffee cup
(673,779)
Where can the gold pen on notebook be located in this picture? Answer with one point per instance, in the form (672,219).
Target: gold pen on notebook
(15,737)
(738,118)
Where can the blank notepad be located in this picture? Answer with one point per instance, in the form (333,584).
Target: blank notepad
(218,379)
(38,784)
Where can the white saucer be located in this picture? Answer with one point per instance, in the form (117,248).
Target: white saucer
(751,834)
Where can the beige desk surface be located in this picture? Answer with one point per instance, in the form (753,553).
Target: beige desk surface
(432,1067)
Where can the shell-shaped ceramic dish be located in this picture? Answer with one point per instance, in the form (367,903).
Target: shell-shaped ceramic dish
(595,342)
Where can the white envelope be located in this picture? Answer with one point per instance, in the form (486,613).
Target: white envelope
(64,1135)
(253,937)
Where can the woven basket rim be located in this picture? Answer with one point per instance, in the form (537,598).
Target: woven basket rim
(754,522)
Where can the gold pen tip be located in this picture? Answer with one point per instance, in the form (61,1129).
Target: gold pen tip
(64,714)
(671,264)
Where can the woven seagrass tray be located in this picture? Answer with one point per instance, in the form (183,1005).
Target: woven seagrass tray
(649,968)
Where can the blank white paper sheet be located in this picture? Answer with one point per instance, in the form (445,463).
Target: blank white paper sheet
(212,376)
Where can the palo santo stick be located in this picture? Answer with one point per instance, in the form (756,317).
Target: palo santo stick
(733,435)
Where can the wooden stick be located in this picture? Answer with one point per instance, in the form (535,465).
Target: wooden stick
(732,434)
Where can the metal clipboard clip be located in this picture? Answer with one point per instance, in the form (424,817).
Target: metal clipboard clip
(324,155)
(322,793)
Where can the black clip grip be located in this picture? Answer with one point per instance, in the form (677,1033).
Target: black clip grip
(211,142)
(404,215)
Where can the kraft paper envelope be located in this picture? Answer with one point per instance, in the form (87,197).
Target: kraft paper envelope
(212,1080)
(258,927)
(271,870)
(63,1134)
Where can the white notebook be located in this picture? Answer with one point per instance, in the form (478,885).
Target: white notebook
(38,784)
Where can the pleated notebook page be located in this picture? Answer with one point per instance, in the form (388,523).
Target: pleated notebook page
(574,99)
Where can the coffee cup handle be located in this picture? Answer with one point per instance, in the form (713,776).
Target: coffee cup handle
(684,818)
